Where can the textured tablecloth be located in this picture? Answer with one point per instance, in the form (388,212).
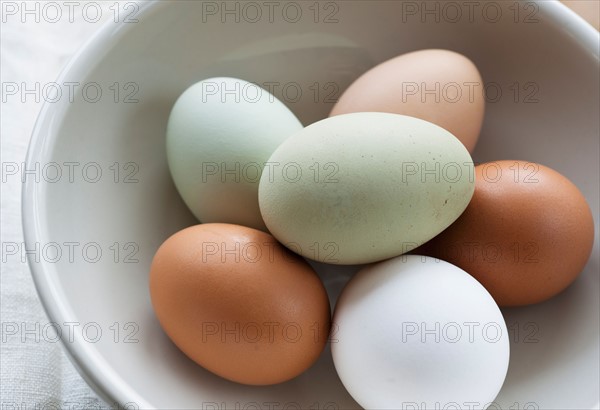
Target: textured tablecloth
(35,372)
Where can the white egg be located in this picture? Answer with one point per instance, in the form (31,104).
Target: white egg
(220,134)
(415,332)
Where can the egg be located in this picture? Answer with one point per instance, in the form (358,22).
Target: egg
(440,86)
(418,333)
(364,187)
(526,235)
(239,304)
(219,135)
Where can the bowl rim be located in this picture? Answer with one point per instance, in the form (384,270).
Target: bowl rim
(94,369)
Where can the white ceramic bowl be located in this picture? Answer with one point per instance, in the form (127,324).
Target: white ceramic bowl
(548,51)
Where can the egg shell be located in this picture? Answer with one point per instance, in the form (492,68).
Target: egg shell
(417,333)
(440,86)
(219,135)
(239,304)
(364,187)
(526,235)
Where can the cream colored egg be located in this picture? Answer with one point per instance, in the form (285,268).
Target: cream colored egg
(440,86)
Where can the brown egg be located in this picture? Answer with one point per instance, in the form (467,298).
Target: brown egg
(526,235)
(439,86)
(239,304)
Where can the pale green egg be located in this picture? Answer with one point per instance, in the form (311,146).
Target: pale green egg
(221,132)
(364,187)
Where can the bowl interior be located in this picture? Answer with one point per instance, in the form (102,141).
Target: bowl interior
(546,112)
